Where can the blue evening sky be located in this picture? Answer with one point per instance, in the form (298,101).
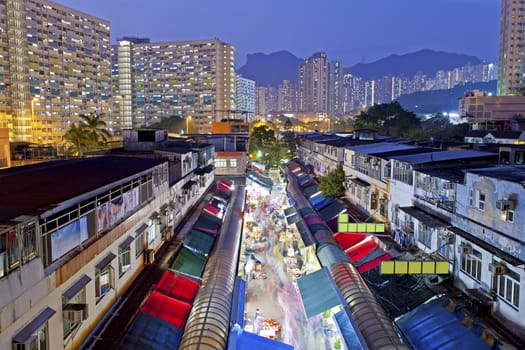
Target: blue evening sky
(349,30)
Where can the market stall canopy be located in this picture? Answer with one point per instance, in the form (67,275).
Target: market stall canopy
(207,223)
(361,249)
(324,203)
(189,263)
(166,308)
(332,211)
(430,326)
(318,292)
(305,233)
(311,191)
(177,286)
(199,242)
(211,209)
(148,332)
(348,239)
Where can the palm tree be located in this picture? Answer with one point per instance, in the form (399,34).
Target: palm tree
(95,128)
(77,136)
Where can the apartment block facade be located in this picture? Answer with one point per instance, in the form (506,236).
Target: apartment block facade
(153,81)
(54,65)
(511,62)
(455,205)
(245,97)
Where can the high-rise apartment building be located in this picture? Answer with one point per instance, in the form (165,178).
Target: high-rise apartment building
(193,79)
(54,65)
(511,64)
(245,97)
(313,84)
(286,98)
(335,88)
(260,101)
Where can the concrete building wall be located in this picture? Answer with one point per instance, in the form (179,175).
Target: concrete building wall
(56,63)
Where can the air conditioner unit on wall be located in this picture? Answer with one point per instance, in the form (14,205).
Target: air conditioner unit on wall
(505,204)
(75,313)
(499,269)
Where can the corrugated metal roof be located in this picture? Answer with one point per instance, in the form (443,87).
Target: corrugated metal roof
(512,173)
(34,189)
(441,156)
(424,217)
(380,147)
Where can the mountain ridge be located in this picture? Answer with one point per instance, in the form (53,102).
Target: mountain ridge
(272,69)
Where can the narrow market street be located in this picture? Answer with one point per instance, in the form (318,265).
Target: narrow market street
(273,257)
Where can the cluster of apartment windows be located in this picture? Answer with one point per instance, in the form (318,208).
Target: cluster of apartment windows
(17,246)
(402,172)
(124,259)
(471,264)
(477,199)
(424,234)
(95,216)
(104,281)
(223,163)
(507,287)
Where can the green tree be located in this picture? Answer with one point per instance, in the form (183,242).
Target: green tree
(77,137)
(263,136)
(289,144)
(388,119)
(95,129)
(332,183)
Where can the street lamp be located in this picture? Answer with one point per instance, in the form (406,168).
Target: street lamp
(187,124)
(33,100)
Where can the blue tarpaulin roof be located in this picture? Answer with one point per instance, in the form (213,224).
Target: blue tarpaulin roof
(431,326)
(324,203)
(331,211)
(349,333)
(242,340)
(148,332)
(316,199)
(239,294)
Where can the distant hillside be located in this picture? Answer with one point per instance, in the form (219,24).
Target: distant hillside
(426,61)
(441,100)
(271,69)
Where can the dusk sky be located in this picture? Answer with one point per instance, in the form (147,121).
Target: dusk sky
(349,30)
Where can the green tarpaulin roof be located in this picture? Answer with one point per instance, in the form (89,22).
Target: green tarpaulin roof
(199,242)
(318,292)
(305,211)
(189,263)
(311,190)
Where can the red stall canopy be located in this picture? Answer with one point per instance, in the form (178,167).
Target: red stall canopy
(347,240)
(211,209)
(361,249)
(374,262)
(168,309)
(177,286)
